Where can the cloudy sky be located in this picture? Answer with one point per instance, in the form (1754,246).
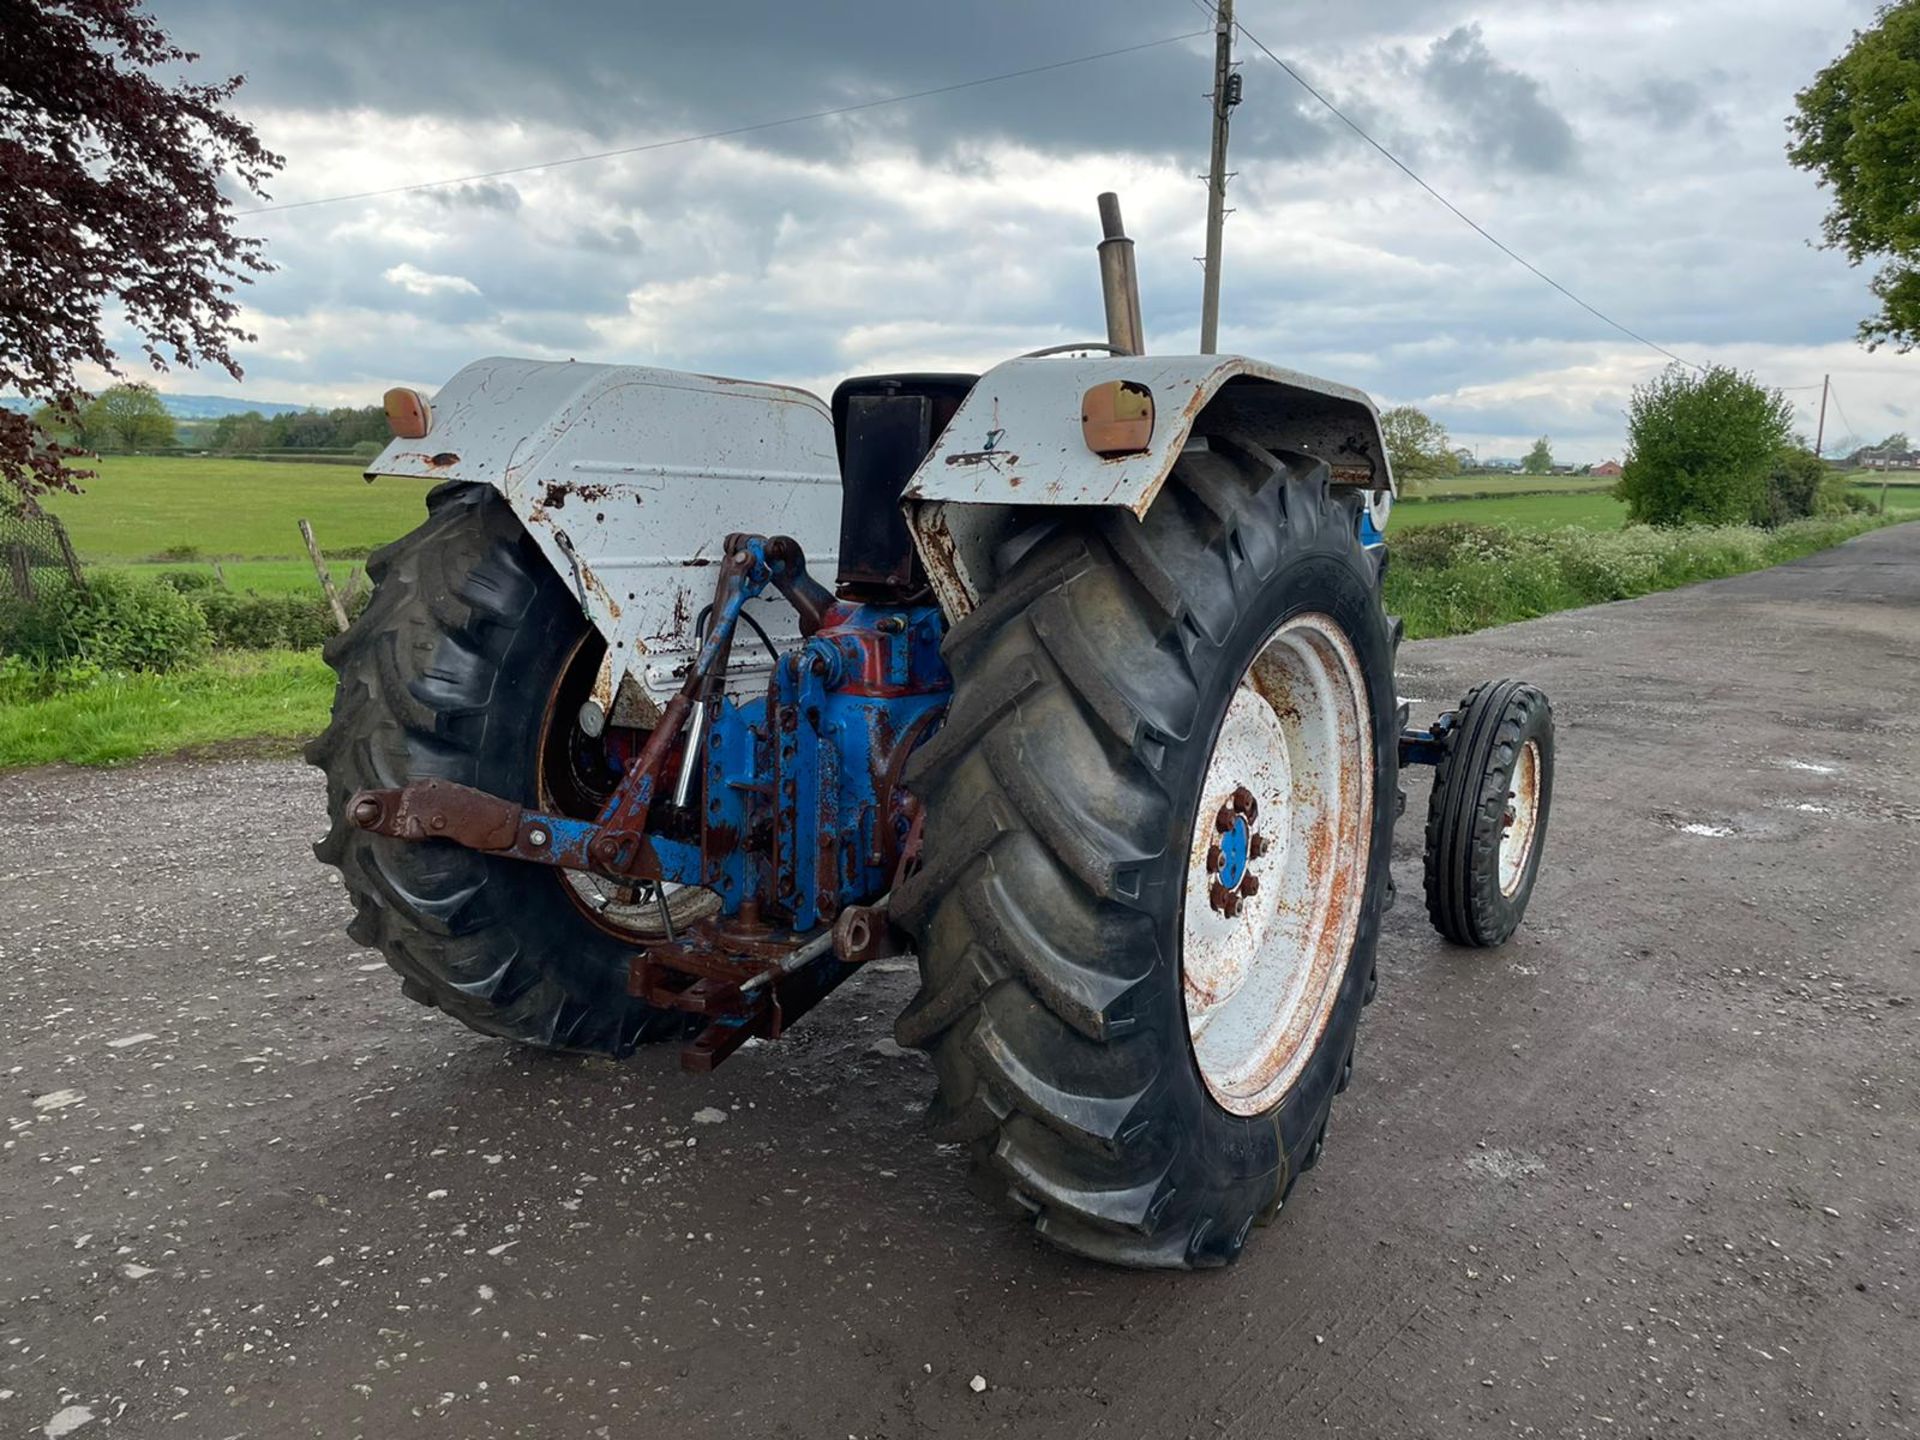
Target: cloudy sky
(1633,149)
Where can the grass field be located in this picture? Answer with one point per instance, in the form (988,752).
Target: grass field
(1464,485)
(138,506)
(275,696)
(260,577)
(1901,498)
(1522,512)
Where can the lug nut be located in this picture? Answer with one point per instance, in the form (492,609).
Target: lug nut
(1232,907)
(1256,847)
(1244,802)
(1214,858)
(1249,885)
(1223,822)
(537,838)
(1218,896)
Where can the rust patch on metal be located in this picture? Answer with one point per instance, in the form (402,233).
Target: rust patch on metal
(438,810)
(438,461)
(941,555)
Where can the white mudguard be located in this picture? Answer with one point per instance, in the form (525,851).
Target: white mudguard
(1017,441)
(629,479)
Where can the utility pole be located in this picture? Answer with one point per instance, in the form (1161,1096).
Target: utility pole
(1820,440)
(1226,95)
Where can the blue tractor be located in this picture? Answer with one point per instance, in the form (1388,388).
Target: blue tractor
(1098,719)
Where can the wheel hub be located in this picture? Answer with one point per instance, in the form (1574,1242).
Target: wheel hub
(1230,858)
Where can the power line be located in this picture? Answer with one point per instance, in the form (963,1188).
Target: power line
(1458,213)
(754,128)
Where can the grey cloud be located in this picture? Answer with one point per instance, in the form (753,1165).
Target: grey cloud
(1672,103)
(1503,114)
(1690,233)
(475,195)
(617,70)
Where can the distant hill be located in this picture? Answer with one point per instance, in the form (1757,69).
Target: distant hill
(187,407)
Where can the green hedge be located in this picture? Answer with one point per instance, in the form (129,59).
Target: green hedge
(121,624)
(113,622)
(1458,576)
(266,622)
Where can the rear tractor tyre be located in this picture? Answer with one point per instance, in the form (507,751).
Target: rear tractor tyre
(459,669)
(1487,816)
(1156,851)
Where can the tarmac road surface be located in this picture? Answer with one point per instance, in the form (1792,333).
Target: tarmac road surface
(1653,1169)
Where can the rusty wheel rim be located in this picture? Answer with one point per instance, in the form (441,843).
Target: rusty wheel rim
(1277,867)
(1520,827)
(624,909)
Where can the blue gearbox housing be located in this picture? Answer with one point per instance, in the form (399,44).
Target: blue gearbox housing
(804,811)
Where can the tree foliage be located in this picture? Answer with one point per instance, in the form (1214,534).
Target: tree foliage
(1417,445)
(1800,485)
(1700,447)
(110,169)
(1539,459)
(1857,127)
(128,417)
(119,419)
(343,428)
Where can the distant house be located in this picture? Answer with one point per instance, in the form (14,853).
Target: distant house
(1890,459)
(1609,468)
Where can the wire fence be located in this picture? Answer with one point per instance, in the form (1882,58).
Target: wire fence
(33,544)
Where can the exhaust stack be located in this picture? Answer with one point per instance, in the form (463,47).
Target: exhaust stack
(1119,281)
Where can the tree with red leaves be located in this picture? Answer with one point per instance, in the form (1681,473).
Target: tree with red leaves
(110,169)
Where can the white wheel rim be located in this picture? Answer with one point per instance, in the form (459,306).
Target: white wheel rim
(1380,507)
(1521,825)
(1260,984)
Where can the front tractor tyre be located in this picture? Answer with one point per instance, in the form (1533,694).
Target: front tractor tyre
(1487,816)
(1158,827)
(469,664)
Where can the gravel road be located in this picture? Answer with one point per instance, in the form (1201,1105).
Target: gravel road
(1653,1169)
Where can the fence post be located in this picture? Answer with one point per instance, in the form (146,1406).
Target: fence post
(21,571)
(326,580)
(71,560)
